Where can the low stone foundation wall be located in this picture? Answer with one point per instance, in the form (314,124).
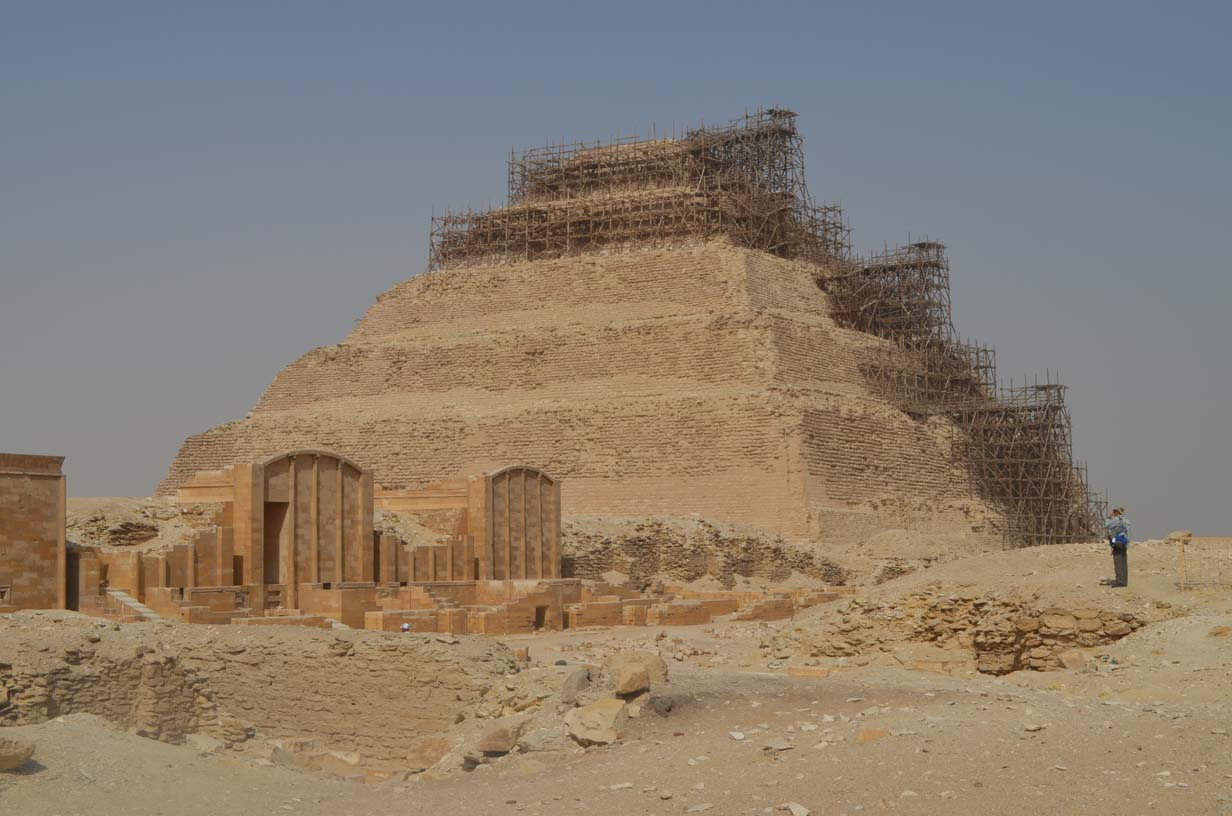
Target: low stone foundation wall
(1002,634)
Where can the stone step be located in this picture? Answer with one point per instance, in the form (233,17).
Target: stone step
(137,607)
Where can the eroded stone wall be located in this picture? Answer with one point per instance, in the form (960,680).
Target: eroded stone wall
(1003,633)
(679,550)
(369,692)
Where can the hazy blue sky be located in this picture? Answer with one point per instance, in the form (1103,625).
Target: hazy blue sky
(191,197)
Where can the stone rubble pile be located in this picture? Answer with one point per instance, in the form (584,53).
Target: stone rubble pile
(647,550)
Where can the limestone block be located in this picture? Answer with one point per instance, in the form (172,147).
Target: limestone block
(632,678)
(599,723)
(14,753)
(1058,623)
(654,664)
(427,751)
(501,738)
(1090,624)
(1027,624)
(1072,659)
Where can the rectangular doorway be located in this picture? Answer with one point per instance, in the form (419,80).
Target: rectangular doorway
(275,520)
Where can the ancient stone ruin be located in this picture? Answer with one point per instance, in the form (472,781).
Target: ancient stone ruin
(290,540)
(673,326)
(656,388)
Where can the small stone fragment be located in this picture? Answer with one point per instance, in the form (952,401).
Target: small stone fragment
(871,735)
(500,740)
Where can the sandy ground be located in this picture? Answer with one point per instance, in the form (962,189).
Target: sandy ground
(1143,728)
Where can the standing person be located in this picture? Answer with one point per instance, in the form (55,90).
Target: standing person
(1117,528)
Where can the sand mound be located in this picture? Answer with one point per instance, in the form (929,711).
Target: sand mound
(131,523)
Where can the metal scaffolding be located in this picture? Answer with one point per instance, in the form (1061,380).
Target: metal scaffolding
(1015,442)
(1020,453)
(743,181)
(901,294)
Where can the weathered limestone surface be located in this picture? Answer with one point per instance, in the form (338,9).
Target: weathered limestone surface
(709,380)
(367,692)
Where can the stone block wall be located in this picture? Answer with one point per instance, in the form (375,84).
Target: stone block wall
(33,550)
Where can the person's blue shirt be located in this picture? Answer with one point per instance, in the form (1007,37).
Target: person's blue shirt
(1117,528)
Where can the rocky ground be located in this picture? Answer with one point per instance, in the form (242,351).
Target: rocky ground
(761,718)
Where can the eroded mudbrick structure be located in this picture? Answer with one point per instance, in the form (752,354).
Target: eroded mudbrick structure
(32,546)
(674,327)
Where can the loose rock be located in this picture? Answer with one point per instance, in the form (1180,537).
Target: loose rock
(14,753)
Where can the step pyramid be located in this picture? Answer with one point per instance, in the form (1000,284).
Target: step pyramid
(678,371)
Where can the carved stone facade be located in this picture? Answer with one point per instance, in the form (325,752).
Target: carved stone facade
(302,517)
(506,523)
